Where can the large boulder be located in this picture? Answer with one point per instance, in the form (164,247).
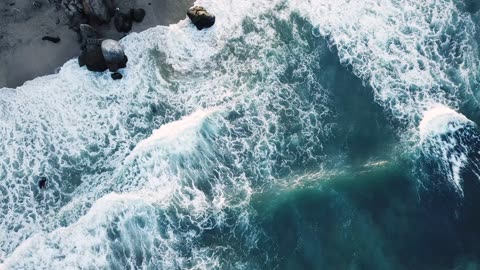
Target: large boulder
(91,54)
(122,22)
(101,10)
(113,54)
(200,17)
(92,57)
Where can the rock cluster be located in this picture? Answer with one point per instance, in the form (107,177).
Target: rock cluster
(75,12)
(73,7)
(101,10)
(100,54)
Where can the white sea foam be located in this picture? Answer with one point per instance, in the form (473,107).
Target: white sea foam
(441,120)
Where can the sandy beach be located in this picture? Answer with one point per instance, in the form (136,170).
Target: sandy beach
(25,55)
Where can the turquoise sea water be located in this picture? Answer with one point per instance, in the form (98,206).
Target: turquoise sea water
(327,134)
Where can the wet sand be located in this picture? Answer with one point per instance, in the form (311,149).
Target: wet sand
(25,56)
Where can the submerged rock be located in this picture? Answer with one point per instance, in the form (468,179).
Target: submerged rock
(122,22)
(200,17)
(116,76)
(137,14)
(42,183)
(113,54)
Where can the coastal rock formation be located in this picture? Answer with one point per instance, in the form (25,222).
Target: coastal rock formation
(122,22)
(113,54)
(200,17)
(91,54)
(137,14)
(101,10)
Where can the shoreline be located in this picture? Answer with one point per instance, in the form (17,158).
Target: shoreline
(26,56)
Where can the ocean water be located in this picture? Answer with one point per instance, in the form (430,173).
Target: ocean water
(294,134)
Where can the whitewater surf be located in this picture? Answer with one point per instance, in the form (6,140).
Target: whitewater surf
(328,134)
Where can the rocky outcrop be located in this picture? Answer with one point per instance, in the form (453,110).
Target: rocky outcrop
(101,10)
(113,54)
(99,54)
(200,17)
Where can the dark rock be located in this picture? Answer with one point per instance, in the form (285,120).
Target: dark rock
(12,4)
(137,14)
(51,39)
(113,54)
(37,4)
(102,10)
(122,22)
(200,17)
(42,183)
(87,33)
(92,57)
(116,76)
